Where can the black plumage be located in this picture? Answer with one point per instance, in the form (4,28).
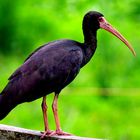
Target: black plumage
(50,68)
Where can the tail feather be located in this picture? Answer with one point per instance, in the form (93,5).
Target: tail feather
(8,100)
(6,105)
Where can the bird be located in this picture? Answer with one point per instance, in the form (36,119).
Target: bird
(52,67)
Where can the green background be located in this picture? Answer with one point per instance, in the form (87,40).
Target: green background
(103,101)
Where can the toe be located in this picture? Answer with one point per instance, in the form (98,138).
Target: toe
(46,133)
(60,132)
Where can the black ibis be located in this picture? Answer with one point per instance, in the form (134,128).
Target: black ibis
(52,67)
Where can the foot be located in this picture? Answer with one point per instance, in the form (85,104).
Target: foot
(46,133)
(60,133)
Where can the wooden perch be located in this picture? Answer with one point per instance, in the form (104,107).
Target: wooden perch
(15,133)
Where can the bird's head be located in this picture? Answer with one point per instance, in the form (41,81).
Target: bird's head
(94,20)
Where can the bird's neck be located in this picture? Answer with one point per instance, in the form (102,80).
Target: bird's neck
(90,43)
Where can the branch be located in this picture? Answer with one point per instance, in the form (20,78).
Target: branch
(15,133)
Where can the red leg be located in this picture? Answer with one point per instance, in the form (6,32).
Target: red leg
(57,122)
(45,117)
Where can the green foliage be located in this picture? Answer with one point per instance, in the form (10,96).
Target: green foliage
(25,25)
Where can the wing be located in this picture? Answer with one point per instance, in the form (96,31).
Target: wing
(49,69)
(50,55)
(33,65)
(39,49)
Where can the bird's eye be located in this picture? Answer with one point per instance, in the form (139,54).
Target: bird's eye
(100,19)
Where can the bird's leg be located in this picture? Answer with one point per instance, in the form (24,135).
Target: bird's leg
(55,112)
(45,117)
(57,122)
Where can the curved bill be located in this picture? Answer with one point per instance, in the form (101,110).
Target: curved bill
(105,25)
